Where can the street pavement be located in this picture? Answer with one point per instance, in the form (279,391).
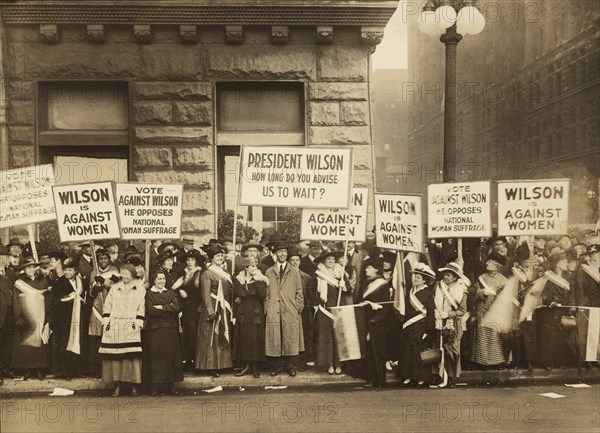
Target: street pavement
(336,409)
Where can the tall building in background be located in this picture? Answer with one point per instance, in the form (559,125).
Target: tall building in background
(527,108)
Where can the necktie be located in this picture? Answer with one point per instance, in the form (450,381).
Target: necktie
(282,269)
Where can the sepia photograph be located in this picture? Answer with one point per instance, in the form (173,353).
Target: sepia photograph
(300,216)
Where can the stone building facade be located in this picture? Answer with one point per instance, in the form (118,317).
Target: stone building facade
(182,85)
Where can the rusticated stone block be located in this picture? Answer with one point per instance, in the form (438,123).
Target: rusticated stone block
(338,91)
(196,224)
(362,178)
(151,157)
(20,90)
(193,157)
(362,158)
(324,35)
(142,33)
(173,134)
(178,91)
(343,63)
(355,113)
(21,113)
(339,135)
(165,63)
(199,180)
(192,113)
(20,134)
(288,62)
(153,113)
(198,201)
(20,156)
(280,35)
(324,113)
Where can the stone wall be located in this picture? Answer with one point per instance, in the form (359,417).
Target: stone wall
(171,90)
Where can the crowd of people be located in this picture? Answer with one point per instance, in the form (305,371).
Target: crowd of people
(214,309)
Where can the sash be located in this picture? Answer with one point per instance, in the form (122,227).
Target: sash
(486,287)
(220,272)
(588,270)
(323,280)
(522,276)
(324,311)
(417,305)
(74,337)
(558,280)
(448,296)
(374,286)
(327,278)
(26,289)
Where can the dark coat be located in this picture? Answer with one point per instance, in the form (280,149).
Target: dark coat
(6,301)
(249,335)
(307,265)
(165,318)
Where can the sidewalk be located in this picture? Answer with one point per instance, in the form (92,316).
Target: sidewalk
(313,379)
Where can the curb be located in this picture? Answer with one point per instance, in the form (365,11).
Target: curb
(312,380)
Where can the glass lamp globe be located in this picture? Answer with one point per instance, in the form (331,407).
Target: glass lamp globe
(428,24)
(445,16)
(469,21)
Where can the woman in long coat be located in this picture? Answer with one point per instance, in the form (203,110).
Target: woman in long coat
(376,291)
(213,341)
(122,318)
(250,290)
(332,285)
(190,299)
(451,305)
(162,351)
(488,343)
(31,299)
(418,327)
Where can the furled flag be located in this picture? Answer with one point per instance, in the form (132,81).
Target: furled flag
(589,333)
(399,285)
(350,328)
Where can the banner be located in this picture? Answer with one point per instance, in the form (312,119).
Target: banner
(399,222)
(86,212)
(533,207)
(349,327)
(149,211)
(459,210)
(26,195)
(338,224)
(296,177)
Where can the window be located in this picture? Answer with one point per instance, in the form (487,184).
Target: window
(85,119)
(255,114)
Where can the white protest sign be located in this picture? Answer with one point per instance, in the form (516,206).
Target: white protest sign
(86,212)
(338,224)
(296,177)
(533,207)
(459,210)
(149,211)
(26,195)
(399,221)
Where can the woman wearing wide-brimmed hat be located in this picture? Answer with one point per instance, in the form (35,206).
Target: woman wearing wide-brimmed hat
(213,340)
(488,342)
(451,305)
(190,299)
(332,284)
(165,261)
(418,327)
(32,312)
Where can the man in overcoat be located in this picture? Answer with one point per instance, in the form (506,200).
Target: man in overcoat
(284,339)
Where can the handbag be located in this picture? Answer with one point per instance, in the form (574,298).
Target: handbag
(430,357)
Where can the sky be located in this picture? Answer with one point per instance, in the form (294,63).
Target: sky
(391,53)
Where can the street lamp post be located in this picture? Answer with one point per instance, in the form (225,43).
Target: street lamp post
(450,19)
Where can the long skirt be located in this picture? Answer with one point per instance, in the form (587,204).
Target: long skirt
(211,357)
(64,362)
(162,356)
(122,370)
(412,344)
(29,357)
(488,346)
(249,341)
(189,324)
(327,354)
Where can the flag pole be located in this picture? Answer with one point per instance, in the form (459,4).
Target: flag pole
(94,258)
(31,233)
(344,270)
(147,260)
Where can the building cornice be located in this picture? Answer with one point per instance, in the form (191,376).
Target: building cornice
(238,12)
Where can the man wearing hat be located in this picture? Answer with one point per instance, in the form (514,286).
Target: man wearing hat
(284,339)
(249,250)
(112,247)
(270,259)
(587,279)
(308,262)
(68,297)
(15,251)
(86,265)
